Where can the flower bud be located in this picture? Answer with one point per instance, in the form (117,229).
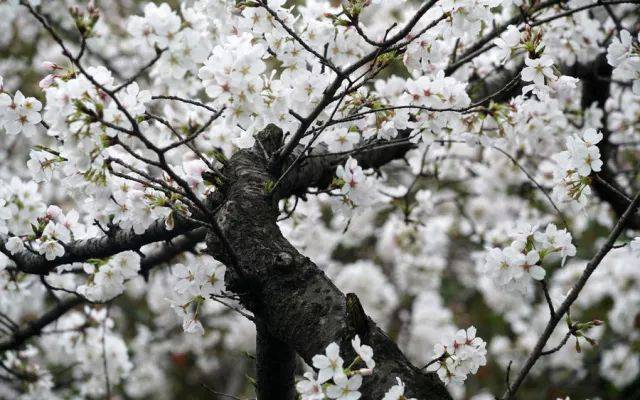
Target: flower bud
(592,342)
(50,66)
(365,371)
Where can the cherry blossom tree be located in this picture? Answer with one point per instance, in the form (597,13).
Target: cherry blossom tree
(319,199)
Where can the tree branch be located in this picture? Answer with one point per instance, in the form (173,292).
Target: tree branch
(170,250)
(105,246)
(35,328)
(318,168)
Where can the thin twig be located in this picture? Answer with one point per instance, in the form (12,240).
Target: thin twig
(508,376)
(547,297)
(187,101)
(248,316)
(435,360)
(141,71)
(535,182)
(573,295)
(104,356)
(559,346)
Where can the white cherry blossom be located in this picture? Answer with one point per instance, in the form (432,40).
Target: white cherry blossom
(329,365)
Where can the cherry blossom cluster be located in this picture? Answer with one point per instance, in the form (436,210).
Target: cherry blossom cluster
(158,26)
(615,282)
(49,233)
(620,363)
(106,278)
(24,362)
(416,249)
(137,206)
(430,321)
(233,78)
(459,356)
(513,266)
(508,43)
(85,336)
(539,68)
(574,165)
(20,205)
(355,186)
(433,93)
(85,119)
(119,364)
(58,230)
(334,380)
(79,341)
(194,284)
(19,114)
(237,71)
(624,55)
(460,19)
(397,392)
(87,123)
(429,52)
(467,17)
(428,91)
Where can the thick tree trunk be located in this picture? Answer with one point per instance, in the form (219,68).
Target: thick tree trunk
(275,366)
(292,298)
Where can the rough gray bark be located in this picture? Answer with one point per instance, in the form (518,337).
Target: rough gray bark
(293,299)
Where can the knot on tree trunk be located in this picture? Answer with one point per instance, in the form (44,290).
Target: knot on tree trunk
(270,139)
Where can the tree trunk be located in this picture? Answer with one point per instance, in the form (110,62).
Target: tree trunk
(290,296)
(275,366)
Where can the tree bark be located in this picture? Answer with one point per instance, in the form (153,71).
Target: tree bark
(275,366)
(285,290)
